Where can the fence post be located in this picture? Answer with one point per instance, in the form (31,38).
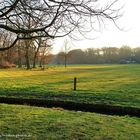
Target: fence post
(75,80)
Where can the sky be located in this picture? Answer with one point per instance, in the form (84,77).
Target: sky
(112,36)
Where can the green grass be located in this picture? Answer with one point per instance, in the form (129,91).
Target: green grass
(33,123)
(110,84)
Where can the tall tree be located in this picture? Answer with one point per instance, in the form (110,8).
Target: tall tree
(53,18)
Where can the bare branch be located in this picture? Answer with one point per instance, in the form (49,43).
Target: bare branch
(54,18)
(12,45)
(10,9)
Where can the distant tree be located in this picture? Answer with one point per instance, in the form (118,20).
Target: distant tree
(125,54)
(110,54)
(78,56)
(65,51)
(44,53)
(136,54)
(99,58)
(90,55)
(59,59)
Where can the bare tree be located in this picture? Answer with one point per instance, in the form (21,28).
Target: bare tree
(53,18)
(5,40)
(27,47)
(66,51)
(44,51)
(41,48)
(37,46)
(20,53)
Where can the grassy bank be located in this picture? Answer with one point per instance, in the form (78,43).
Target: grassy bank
(110,84)
(32,123)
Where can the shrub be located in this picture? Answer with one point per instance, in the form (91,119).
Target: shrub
(6,64)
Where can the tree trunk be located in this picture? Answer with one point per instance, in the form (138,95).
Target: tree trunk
(27,57)
(40,63)
(19,58)
(35,58)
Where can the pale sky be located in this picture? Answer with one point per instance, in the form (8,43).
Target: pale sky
(111,36)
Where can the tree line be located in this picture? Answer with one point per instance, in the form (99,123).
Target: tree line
(38,53)
(105,55)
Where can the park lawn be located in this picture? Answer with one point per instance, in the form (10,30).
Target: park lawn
(109,84)
(34,123)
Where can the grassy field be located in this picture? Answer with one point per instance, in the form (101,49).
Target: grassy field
(33,123)
(109,84)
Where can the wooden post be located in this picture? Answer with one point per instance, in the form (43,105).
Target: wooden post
(75,80)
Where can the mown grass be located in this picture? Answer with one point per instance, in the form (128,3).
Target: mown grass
(109,84)
(33,123)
